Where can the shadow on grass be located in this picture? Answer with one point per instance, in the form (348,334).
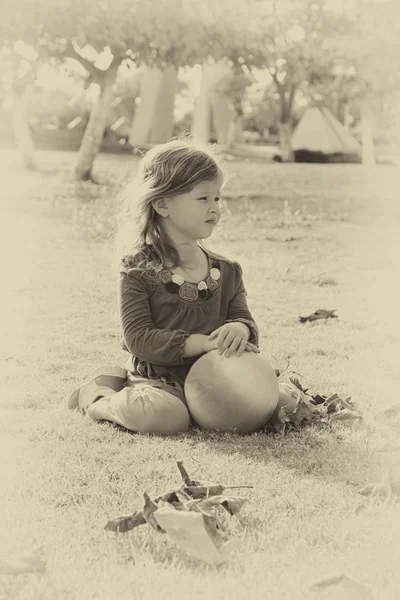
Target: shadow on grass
(322,452)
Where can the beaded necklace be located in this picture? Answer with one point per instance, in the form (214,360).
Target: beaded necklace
(187,290)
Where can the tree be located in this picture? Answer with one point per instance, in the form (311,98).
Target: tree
(370,47)
(295,45)
(233,86)
(101,35)
(288,38)
(264,116)
(19,71)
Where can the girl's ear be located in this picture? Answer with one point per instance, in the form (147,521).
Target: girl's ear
(160,206)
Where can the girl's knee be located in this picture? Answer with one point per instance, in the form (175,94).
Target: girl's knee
(169,414)
(152,410)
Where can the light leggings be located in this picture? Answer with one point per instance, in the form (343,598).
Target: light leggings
(145,406)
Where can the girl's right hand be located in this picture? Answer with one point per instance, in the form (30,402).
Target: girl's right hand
(210,345)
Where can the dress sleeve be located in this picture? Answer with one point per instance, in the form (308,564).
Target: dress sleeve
(142,338)
(238,311)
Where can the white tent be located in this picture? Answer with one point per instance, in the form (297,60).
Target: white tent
(319,131)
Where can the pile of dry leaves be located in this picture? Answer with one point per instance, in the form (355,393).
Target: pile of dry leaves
(312,408)
(189,517)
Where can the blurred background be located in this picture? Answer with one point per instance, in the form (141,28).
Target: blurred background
(305,80)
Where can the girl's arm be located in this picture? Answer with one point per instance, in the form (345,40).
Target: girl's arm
(165,347)
(198,344)
(238,311)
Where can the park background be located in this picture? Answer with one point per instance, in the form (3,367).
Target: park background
(86,88)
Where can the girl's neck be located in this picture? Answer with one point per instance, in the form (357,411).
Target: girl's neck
(190,256)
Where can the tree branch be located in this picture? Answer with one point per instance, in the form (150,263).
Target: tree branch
(291,97)
(272,72)
(96,73)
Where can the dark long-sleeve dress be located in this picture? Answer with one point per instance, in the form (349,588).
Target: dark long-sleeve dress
(158,313)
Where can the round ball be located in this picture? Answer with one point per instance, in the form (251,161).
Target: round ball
(236,394)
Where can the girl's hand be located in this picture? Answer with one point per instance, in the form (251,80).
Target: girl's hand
(231,338)
(210,345)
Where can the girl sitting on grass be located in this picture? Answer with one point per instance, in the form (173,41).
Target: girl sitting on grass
(177,300)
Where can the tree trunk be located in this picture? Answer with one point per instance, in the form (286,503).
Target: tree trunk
(22,133)
(150,83)
(367,131)
(235,131)
(347,119)
(285,141)
(287,94)
(202,114)
(94,132)
(223,115)
(161,130)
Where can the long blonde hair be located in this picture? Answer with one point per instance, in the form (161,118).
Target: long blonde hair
(166,170)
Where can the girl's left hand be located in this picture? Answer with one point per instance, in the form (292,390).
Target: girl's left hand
(230,338)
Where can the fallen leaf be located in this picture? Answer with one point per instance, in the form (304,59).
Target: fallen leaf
(334,403)
(297,383)
(33,562)
(304,411)
(321,313)
(192,522)
(321,281)
(203,490)
(186,479)
(340,587)
(345,415)
(390,416)
(232,504)
(124,524)
(196,534)
(318,399)
(149,509)
(170,497)
(310,408)
(383,488)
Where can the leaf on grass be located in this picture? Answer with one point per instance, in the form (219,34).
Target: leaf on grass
(282,415)
(203,490)
(340,587)
(170,497)
(390,416)
(340,409)
(232,504)
(33,562)
(384,488)
(124,524)
(318,399)
(345,415)
(190,523)
(334,403)
(315,408)
(304,411)
(321,313)
(196,534)
(297,383)
(186,479)
(149,509)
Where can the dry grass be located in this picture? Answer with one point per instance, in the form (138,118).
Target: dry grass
(307,237)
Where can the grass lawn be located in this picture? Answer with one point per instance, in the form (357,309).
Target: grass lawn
(307,237)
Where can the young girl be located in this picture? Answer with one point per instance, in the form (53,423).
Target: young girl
(177,300)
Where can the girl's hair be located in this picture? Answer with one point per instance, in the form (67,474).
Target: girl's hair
(166,170)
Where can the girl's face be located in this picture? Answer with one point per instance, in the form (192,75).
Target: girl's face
(195,214)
